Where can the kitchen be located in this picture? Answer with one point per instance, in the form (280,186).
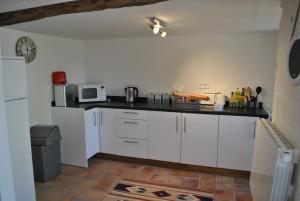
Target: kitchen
(191,57)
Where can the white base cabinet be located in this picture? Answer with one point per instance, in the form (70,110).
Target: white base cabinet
(132,147)
(108,130)
(236,141)
(199,139)
(80,132)
(132,133)
(92,132)
(164,136)
(196,139)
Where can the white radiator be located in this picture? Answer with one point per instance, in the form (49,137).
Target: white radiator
(272,165)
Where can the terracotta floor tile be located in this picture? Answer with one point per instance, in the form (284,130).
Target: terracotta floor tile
(160,179)
(93,183)
(242,196)
(90,195)
(225,187)
(96,175)
(224,180)
(74,171)
(105,182)
(190,182)
(238,180)
(224,195)
(182,173)
(242,188)
(207,183)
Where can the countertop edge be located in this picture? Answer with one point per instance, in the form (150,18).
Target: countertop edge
(261,112)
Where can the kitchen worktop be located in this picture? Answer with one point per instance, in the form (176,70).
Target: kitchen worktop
(185,108)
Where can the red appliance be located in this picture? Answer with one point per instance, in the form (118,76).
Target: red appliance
(59,77)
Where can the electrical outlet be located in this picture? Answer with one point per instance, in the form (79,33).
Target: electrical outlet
(204,85)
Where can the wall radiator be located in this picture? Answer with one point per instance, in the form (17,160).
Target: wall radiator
(272,165)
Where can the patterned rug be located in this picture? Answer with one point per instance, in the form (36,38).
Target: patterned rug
(127,190)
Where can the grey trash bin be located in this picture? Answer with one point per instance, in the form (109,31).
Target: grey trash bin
(45,146)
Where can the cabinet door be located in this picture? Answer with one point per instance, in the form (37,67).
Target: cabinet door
(236,141)
(108,123)
(199,139)
(15,84)
(20,149)
(164,136)
(92,132)
(71,122)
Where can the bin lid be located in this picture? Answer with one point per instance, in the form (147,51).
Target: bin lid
(44,135)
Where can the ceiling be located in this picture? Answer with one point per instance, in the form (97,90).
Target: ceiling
(184,17)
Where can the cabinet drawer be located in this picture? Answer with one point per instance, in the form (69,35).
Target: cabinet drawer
(128,128)
(131,114)
(132,148)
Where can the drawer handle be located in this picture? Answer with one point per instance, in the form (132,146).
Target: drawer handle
(184,124)
(176,124)
(130,112)
(132,142)
(129,122)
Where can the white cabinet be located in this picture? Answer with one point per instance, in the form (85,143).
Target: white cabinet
(132,133)
(80,134)
(14,72)
(132,147)
(164,136)
(108,120)
(134,129)
(199,139)
(92,132)
(236,141)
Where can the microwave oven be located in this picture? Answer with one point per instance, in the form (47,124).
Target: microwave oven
(91,93)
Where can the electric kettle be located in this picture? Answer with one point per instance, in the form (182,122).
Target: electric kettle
(131,94)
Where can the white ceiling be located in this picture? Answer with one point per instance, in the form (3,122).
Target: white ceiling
(184,17)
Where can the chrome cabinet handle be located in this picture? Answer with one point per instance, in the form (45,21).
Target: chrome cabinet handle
(95,120)
(132,142)
(129,122)
(101,119)
(176,124)
(130,112)
(184,124)
(254,132)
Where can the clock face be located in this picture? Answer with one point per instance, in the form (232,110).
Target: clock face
(26,47)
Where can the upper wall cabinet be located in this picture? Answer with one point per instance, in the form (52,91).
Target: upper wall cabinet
(164,136)
(199,139)
(236,141)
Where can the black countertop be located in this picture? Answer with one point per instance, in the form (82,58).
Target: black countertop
(185,108)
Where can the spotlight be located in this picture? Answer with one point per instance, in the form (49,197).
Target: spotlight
(155,29)
(163,33)
(158,26)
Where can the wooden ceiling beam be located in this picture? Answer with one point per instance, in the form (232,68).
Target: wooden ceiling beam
(79,6)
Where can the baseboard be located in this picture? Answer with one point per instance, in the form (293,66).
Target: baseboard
(179,166)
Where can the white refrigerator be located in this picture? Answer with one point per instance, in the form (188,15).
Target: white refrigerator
(16,103)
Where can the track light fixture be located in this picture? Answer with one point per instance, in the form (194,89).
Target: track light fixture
(158,26)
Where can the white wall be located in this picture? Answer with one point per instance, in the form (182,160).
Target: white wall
(182,63)
(7,192)
(53,54)
(286,110)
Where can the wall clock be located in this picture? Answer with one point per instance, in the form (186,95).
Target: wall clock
(25,47)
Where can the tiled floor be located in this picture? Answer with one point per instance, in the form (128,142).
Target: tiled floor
(92,184)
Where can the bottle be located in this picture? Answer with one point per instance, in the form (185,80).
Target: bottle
(231,101)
